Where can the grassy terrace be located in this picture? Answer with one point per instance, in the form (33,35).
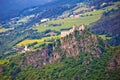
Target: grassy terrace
(4,30)
(3,61)
(104,37)
(39,42)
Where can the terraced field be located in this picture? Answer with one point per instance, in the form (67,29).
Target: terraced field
(38,42)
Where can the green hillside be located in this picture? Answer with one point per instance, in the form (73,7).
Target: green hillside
(59,48)
(81,67)
(85,65)
(68,23)
(86,18)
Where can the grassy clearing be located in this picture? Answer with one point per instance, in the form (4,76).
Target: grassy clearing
(26,42)
(114,6)
(4,30)
(3,61)
(39,41)
(104,37)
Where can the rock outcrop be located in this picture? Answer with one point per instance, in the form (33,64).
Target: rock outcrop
(115,61)
(64,33)
(79,42)
(69,46)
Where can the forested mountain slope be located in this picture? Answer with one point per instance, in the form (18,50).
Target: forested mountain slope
(77,43)
(62,40)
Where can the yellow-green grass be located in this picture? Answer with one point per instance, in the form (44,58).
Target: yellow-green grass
(79,9)
(104,37)
(26,42)
(114,6)
(94,13)
(68,23)
(39,41)
(3,61)
(4,30)
(97,12)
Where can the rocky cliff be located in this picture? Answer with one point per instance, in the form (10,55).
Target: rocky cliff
(69,46)
(114,64)
(81,41)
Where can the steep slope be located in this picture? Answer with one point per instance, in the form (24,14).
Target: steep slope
(79,55)
(72,45)
(109,25)
(114,65)
(83,66)
(79,45)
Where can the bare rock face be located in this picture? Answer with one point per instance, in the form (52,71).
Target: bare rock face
(79,42)
(38,58)
(41,57)
(115,62)
(1,69)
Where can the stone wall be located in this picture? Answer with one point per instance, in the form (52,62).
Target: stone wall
(67,32)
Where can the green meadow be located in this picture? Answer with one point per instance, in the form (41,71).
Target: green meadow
(86,18)
(3,61)
(4,30)
(45,40)
(68,22)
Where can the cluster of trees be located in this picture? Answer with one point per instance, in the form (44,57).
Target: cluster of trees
(84,66)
